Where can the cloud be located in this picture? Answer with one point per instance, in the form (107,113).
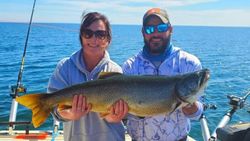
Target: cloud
(132,11)
(176,3)
(229,17)
(104,4)
(128,11)
(120,12)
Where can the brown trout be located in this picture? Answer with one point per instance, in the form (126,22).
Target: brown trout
(146,95)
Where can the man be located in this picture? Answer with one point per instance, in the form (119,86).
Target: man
(160,57)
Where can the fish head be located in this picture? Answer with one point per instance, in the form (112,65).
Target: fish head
(191,84)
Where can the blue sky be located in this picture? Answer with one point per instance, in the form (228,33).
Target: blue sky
(181,12)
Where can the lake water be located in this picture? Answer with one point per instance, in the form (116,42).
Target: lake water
(224,50)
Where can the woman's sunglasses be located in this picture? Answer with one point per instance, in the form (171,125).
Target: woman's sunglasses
(160,28)
(100,34)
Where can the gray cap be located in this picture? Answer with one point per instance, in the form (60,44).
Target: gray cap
(162,14)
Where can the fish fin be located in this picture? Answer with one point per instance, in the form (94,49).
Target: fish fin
(177,106)
(105,75)
(63,107)
(35,102)
(104,114)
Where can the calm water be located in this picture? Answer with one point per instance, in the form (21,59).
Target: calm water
(224,50)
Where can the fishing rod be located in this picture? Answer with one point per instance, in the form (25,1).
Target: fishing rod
(19,88)
(236,103)
(24,53)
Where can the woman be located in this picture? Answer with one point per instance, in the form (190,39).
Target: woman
(85,65)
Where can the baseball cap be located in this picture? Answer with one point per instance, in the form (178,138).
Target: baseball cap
(162,14)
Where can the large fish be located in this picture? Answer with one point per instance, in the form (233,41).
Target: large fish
(145,95)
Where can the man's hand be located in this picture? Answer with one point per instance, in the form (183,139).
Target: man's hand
(117,112)
(79,108)
(190,109)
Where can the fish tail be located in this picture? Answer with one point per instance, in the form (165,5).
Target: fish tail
(35,102)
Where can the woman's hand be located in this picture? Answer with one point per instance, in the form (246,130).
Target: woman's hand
(190,109)
(79,108)
(117,112)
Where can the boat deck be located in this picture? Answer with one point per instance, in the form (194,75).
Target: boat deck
(19,135)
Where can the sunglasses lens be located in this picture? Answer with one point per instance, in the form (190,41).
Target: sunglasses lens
(87,33)
(149,29)
(101,34)
(162,27)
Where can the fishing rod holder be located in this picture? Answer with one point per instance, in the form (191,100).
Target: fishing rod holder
(203,121)
(14,91)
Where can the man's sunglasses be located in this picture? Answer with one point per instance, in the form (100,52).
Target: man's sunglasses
(100,34)
(160,28)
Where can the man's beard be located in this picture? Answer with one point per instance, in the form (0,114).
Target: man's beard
(155,48)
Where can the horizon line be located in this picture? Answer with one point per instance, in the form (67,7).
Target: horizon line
(126,24)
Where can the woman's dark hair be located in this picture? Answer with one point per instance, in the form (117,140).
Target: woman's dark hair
(91,17)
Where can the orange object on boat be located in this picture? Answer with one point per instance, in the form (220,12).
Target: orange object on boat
(40,136)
